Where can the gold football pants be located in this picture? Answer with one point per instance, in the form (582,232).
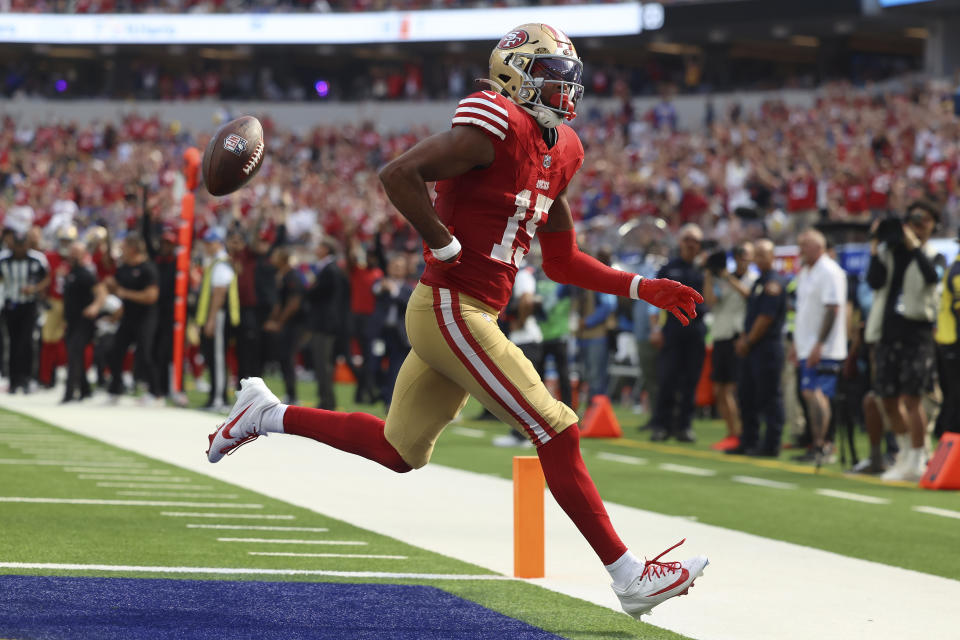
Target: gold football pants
(458,350)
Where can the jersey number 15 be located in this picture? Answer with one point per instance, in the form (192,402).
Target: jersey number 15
(508,249)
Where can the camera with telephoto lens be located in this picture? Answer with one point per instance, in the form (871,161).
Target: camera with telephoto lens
(716,262)
(890,231)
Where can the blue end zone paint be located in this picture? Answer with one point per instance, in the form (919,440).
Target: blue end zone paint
(55,608)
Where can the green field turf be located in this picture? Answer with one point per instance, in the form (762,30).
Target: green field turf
(141,536)
(891,533)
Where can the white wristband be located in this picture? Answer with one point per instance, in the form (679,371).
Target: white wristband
(445,253)
(635,286)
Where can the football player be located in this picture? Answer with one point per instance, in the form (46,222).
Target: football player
(502,172)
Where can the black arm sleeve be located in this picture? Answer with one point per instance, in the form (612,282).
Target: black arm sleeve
(926,266)
(876,273)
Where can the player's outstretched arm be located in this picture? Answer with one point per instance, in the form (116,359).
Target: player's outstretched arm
(563,262)
(439,157)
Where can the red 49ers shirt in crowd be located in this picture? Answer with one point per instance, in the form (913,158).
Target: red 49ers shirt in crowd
(879,196)
(802,195)
(495,212)
(938,174)
(855,198)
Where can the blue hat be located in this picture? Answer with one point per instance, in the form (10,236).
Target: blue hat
(213,234)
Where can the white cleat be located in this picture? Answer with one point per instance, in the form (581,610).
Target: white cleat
(243,423)
(659,581)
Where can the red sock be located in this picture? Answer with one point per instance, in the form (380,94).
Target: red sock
(573,488)
(357,433)
(48,355)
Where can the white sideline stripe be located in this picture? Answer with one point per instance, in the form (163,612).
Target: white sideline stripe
(856,497)
(176,494)
(146,478)
(114,472)
(130,503)
(353,543)
(152,485)
(481,123)
(62,463)
(935,511)
(690,471)
(763,482)
(248,516)
(256,527)
(486,103)
(470,433)
(617,457)
(323,555)
(249,571)
(504,396)
(483,112)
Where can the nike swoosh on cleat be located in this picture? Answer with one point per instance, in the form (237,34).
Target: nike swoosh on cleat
(684,574)
(229,425)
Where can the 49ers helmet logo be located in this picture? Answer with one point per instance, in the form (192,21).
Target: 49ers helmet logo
(513,39)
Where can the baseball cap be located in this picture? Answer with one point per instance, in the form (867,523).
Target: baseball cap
(213,234)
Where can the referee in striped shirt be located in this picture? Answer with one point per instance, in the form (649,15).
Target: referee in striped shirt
(25,274)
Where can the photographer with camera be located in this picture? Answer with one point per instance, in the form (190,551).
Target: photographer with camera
(726,293)
(902,274)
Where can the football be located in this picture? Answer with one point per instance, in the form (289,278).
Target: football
(234,155)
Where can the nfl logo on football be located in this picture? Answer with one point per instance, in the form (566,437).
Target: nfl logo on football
(234,143)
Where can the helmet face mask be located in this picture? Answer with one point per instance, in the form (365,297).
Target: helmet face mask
(538,68)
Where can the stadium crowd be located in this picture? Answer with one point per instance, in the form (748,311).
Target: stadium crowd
(310,263)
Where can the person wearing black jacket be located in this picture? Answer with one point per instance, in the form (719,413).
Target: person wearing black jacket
(83,298)
(682,349)
(286,319)
(163,254)
(135,283)
(388,332)
(329,304)
(902,274)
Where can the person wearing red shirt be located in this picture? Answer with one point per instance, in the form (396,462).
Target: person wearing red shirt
(53,350)
(363,271)
(938,178)
(878,196)
(802,198)
(502,173)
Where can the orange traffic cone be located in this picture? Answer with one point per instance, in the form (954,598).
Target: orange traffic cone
(600,421)
(342,373)
(943,471)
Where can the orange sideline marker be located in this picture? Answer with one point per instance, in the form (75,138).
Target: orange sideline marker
(528,485)
(600,421)
(943,472)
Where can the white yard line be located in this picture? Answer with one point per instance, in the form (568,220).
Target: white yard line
(350,543)
(324,555)
(153,485)
(690,471)
(855,497)
(936,511)
(750,591)
(617,457)
(763,482)
(137,478)
(61,463)
(247,571)
(468,432)
(256,527)
(115,472)
(130,503)
(177,494)
(245,516)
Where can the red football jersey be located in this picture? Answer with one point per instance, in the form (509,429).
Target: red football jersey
(801,195)
(495,212)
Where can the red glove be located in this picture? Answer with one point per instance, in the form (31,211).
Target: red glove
(672,296)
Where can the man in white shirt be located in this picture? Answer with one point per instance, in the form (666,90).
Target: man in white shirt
(820,334)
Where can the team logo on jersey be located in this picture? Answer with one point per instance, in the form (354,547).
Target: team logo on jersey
(547,161)
(235,143)
(513,39)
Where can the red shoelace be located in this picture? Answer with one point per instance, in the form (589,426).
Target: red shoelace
(660,569)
